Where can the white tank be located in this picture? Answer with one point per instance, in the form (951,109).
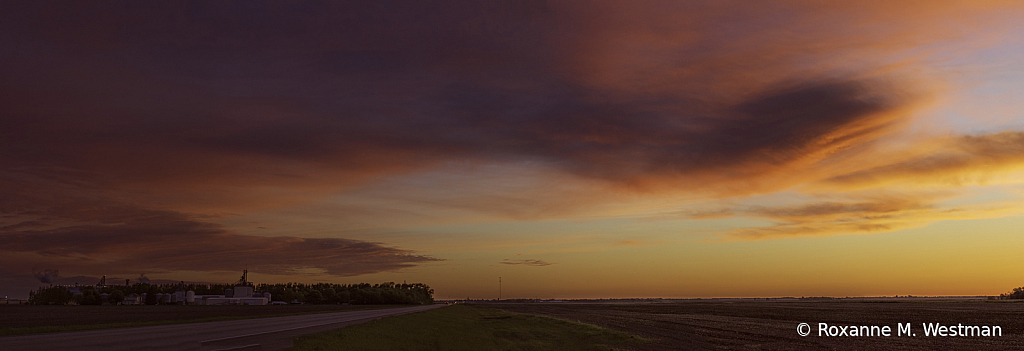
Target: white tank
(190,297)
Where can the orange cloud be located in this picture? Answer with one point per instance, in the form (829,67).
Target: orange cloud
(876,215)
(969,159)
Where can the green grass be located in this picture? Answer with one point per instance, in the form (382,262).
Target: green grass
(81,327)
(466,327)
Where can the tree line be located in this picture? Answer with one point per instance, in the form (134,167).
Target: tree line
(360,294)
(322,293)
(1015,294)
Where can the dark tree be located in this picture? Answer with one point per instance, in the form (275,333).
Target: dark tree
(1015,294)
(116,296)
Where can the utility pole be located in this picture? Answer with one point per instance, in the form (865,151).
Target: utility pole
(499,288)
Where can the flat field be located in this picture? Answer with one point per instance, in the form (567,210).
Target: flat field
(468,327)
(27,319)
(772,325)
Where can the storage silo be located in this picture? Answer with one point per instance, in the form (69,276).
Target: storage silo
(190,297)
(229,293)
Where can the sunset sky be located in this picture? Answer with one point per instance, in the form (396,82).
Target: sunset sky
(576,149)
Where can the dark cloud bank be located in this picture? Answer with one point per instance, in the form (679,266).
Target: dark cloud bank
(231,92)
(122,240)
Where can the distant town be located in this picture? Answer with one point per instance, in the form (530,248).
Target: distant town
(242,292)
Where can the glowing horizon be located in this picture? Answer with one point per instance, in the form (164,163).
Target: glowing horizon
(575,149)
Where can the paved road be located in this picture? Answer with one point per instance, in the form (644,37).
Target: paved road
(263,334)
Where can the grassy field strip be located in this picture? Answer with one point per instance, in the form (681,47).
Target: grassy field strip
(467,327)
(81,327)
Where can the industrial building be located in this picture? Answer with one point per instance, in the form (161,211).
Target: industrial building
(242,294)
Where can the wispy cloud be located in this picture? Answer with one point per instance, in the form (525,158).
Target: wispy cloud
(863,216)
(909,188)
(957,160)
(537,263)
